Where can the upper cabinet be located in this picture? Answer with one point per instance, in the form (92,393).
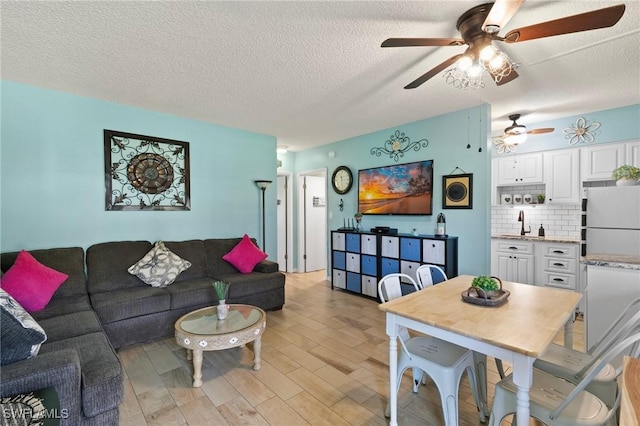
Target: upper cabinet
(561,176)
(519,169)
(633,153)
(598,161)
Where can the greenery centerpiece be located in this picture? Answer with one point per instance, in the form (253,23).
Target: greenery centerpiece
(488,285)
(222,289)
(626,175)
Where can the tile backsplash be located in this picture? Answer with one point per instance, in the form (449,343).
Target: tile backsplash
(557,219)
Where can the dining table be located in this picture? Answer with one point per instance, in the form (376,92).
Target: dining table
(516,331)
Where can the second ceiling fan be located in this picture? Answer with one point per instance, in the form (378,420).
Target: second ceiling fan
(479,27)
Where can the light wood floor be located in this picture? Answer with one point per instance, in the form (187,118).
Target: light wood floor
(324,362)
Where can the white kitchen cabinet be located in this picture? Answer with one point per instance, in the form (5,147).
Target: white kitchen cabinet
(609,291)
(632,153)
(513,260)
(557,265)
(519,169)
(598,161)
(562,176)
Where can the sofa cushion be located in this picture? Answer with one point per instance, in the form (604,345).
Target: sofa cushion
(107,265)
(30,282)
(215,249)
(20,335)
(250,284)
(245,255)
(159,267)
(70,325)
(130,302)
(193,251)
(69,260)
(61,305)
(102,383)
(193,293)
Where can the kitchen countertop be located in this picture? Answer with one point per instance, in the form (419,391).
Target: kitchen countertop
(528,237)
(612,260)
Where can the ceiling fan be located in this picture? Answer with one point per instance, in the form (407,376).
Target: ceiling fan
(516,134)
(479,27)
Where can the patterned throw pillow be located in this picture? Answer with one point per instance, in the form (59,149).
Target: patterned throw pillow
(160,267)
(245,255)
(20,335)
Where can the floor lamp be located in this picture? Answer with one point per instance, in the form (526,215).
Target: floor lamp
(263,184)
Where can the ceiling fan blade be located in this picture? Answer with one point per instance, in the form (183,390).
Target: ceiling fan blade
(601,18)
(501,12)
(433,71)
(506,79)
(541,130)
(405,42)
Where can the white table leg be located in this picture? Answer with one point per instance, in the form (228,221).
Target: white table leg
(523,378)
(568,333)
(197,368)
(257,344)
(480,362)
(392,332)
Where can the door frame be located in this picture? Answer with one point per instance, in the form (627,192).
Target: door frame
(288,231)
(320,172)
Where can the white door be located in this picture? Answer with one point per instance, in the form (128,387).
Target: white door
(284,222)
(313,226)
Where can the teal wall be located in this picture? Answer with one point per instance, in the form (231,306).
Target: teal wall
(448,136)
(616,125)
(52,174)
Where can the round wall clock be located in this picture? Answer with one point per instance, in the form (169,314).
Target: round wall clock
(342,180)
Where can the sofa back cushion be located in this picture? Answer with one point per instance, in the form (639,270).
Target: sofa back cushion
(69,261)
(108,264)
(193,251)
(216,248)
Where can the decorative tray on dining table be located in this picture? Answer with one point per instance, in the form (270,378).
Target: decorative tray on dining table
(485,297)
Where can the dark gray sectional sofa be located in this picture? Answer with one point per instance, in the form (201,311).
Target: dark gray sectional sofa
(102,307)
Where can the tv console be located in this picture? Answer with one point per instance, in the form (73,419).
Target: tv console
(360,259)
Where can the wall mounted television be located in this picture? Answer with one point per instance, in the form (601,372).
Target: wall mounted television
(399,189)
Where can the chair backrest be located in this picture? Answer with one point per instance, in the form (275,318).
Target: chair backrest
(631,342)
(607,337)
(389,286)
(626,329)
(428,275)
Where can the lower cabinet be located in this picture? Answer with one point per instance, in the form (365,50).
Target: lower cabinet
(361,259)
(512,260)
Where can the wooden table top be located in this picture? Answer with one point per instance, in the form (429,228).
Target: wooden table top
(630,404)
(527,323)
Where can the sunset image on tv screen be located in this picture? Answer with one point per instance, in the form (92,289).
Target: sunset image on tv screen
(396,189)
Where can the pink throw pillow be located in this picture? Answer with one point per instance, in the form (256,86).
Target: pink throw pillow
(245,255)
(31,283)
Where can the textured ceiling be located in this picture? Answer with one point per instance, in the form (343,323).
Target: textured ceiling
(308,72)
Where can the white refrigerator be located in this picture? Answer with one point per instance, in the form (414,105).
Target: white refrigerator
(613,220)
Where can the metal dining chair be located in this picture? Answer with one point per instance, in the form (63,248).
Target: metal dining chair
(572,365)
(442,361)
(429,274)
(557,402)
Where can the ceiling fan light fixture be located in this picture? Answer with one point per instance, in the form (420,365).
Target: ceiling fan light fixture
(465,62)
(515,138)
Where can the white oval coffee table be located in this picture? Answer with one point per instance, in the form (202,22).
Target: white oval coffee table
(201,330)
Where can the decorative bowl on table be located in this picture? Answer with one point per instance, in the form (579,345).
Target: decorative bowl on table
(485,291)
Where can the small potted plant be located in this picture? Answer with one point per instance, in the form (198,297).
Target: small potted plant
(626,175)
(489,286)
(358,218)
(541,198)
(222,289)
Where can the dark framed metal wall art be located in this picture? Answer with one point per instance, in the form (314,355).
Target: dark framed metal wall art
(145,172)
(457,191)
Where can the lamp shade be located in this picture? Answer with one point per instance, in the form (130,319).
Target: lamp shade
(263,184)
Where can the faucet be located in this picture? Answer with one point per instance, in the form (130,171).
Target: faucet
(521,219)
